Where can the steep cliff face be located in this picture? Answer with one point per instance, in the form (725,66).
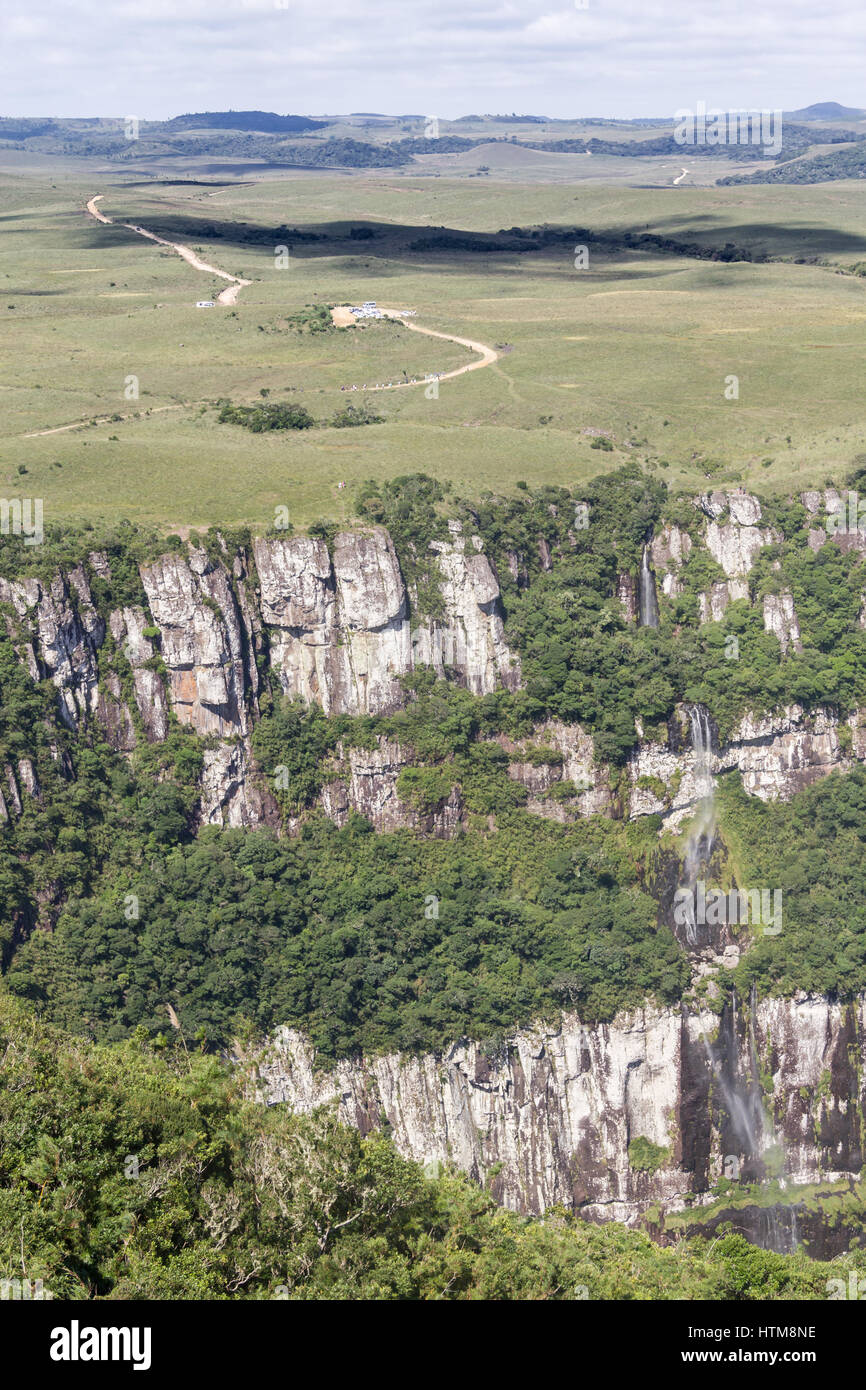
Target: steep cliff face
(470,641)
(559,1107)
(671,548)
(339,632)
(337,626)
(333,626)
(777,756)
(365,781)
(64,632)
(574,746)
(195,609)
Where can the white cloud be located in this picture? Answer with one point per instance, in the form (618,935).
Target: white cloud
(85,57)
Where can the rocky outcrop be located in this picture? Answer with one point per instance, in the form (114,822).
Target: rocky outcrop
(340,630)
(780,618)
(713,603)
(777,756)
(334,628)
(734,543)
(469,642)
(364,781)
(63,632)
(231,792)
(193,605)
(626,589)
(671,547)
(574,763)
(549,1118)
(335,625)
(127,628)
(339,633)
(840,517)
(780,755)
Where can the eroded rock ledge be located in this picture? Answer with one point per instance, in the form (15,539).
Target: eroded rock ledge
(548,1119)
(334,626)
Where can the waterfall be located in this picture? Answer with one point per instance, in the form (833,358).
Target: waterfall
(700,841)
(701,837)
(648,600)
(738,1109)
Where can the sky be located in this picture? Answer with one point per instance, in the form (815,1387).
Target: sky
(445,58)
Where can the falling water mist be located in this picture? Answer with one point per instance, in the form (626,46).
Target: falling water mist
(749,1128)
(700,842)
(648,599)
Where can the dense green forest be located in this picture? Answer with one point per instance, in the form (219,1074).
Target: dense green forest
(584,662)
(128,1172)
(378,942)
(847,163)
(113,908)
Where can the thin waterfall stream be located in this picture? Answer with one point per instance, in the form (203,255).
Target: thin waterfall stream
(648,603)
(700,842)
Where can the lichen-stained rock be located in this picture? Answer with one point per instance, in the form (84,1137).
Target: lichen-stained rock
(734,547)
(578,766)
(374,618)
(252,624)
(733,543)
(230,794)
(114,715)
(671,547)
(781,754)
(626,591)
(27,777)
(14,798)
(299,609)
(127,626)
(22,596)
(712,605)
(339,634)
(554,1111)
(365,781)
(193,605)
(469,641)
(65,631)
(780,618)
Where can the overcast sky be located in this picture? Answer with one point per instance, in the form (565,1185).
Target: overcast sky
(158,58)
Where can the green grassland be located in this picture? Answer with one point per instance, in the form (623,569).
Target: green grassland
(638,345)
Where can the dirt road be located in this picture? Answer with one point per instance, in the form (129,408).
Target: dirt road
(342,316)
(106,419)
(226,296)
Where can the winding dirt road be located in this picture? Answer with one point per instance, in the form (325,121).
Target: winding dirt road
(226,296)
(107,419)
(486,358)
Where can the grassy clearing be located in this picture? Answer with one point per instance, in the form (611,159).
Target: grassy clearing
(639,345)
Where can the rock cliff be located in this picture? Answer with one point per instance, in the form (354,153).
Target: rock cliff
(549,1118)
(335,624)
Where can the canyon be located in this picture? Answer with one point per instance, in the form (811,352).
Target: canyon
(772,1088)
(549,1117)
(340,627)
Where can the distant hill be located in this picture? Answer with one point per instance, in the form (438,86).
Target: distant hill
(826,111)
(849,163)
(265,121)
